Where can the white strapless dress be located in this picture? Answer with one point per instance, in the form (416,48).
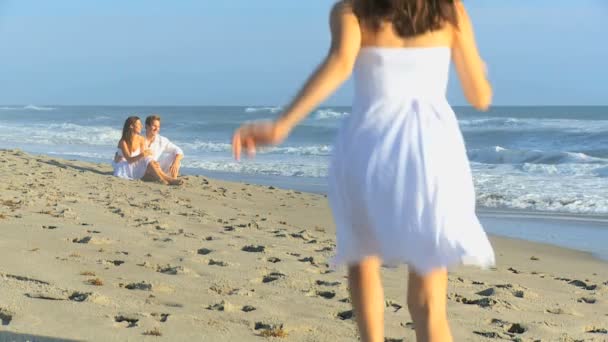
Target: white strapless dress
(400,185)
(135,170)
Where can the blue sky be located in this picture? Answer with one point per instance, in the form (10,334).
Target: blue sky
(244,52)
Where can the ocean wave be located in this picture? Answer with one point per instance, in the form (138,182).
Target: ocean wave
(262,168)
(325,114)
(209,146)
(601,172)
(60,134)
(500,155)
(510,124)
(491,122)
(263,109)
(575,204)
(205,146)
(38,108)
(29,107)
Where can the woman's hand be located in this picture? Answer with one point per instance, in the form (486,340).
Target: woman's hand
(260,133)
(147,153)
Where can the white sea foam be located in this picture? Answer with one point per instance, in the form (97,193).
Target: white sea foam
(508,187)
(509,124)
(326,114)
(38,108)
(500,155)
(272,168)
(209,146)
(263,109)
(60,134)
(28,107)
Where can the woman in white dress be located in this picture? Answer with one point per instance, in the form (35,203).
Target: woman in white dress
(133,160)
(400,186)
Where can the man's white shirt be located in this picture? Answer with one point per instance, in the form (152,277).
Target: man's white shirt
(164,151)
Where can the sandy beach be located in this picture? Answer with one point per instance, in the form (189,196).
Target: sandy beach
(86,256)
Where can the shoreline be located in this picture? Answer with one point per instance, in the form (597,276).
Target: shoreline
(536,218)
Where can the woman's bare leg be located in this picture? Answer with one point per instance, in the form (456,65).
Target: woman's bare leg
(427,302)
(367,296)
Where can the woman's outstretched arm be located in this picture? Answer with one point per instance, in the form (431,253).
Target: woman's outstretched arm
(469,65)
(329,75)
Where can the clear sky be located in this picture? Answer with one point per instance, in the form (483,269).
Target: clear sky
(258,52)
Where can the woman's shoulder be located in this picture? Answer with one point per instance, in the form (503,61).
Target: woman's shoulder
(342,7)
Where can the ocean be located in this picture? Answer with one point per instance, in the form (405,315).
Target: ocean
(548,159)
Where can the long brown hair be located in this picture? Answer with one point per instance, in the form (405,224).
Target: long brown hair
(409,17)
(127,129)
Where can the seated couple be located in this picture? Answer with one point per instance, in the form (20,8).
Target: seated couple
(151,158)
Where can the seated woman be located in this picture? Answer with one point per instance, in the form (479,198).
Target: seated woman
(133,161)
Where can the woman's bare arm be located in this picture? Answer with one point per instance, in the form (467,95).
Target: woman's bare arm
(127,154)
(333,71)
(469,65)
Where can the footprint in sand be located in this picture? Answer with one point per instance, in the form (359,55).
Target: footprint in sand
(310,260)
(131,319)
(518,292)
(270,329)
(273,260)
(142,286)
(485,302)
(326,294)
(391,304)
(587,300)
(6,316)
(344,315)
(281,233)
(272,277)
(79,296)
(217,263)
(596,330)
(409,325)
(85,239)
(253,249)
(578,283)
(221,306)
(248,308)
(511,328)
(327,283)
(583,285)
(172,270)
(161,317)
(204,251)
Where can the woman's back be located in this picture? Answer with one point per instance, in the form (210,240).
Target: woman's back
(456,36)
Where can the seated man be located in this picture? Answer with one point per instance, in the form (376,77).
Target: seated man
(167,154)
